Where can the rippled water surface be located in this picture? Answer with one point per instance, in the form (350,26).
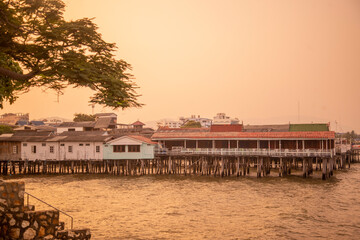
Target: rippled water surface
(189,207)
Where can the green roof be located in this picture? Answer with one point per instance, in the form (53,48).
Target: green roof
(310,127)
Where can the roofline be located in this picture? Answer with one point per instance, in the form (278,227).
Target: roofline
(138,140)
(215,138)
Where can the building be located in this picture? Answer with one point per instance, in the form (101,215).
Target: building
(169,123)
(233,138)
(12,118)
(75,126)
(106,120)
(64,147)
(205,122)
(129,147)
(221,118)
(136,128)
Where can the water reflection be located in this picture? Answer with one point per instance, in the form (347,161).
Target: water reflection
(202,207)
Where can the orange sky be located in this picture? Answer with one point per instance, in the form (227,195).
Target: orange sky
(255,60)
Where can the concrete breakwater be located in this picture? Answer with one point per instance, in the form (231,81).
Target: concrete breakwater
(20,221)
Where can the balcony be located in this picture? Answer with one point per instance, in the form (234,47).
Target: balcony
(179,151)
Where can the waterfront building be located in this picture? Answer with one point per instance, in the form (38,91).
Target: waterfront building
(287,140)
(129,147)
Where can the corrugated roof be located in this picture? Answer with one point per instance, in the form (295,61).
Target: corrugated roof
(32,133)
(103,123)
(309,127)
(77,124)
(142,138)
(104,114)
(266,128)
(92,138)
(167,129)
(246,135)
(138,123)
(83,133)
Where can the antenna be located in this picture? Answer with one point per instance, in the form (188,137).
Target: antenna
(298,111)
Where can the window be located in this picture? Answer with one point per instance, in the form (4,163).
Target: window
(88,144)
(24,144)
(15,149)
(81,144)
(43,144)
(51,149)
(71,129)
(33,149)
(119,148)
(62,144)
(97,149)
(70,149)
(134,148)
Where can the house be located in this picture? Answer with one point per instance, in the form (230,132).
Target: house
(106,120)
(64,147)
(75,126)
(129,147)
(221,118)
(10,147)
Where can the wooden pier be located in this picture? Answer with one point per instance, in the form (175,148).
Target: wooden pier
(217,165)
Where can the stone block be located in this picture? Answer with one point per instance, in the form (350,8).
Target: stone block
(14,233)
(29,234)
(41,232)
(25,224)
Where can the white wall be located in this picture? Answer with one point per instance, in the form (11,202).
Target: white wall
(62,152)
(65,129)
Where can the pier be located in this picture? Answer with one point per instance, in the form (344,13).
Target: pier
(217,163)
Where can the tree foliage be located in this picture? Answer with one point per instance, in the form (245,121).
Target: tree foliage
(6,129)
(192,124)
(38,48)
(81,117)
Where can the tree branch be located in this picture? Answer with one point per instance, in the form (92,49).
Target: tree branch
(17,76)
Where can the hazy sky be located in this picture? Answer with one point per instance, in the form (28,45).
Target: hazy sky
(252,59)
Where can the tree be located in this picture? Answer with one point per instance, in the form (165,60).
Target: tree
(191,124)
(6,129)
(81,117)
(38,48)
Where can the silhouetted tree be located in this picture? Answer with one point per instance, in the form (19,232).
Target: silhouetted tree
(38,48)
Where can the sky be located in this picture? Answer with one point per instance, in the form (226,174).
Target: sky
(264,62)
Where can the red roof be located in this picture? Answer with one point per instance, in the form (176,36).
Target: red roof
(226,128)
(252,135)
(138,123)
(143,139)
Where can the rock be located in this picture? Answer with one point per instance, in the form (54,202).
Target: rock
(14,233)
(29,233)
(25,224)
(12,222)
(41,232)
(36,225)
(3,201)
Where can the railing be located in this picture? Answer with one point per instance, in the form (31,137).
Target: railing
(248,152)
(72,219)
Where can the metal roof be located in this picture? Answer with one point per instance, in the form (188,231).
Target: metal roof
(243,135)
(309,127)
(77,124)
(266,128)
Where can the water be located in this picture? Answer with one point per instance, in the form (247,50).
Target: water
(179,207)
